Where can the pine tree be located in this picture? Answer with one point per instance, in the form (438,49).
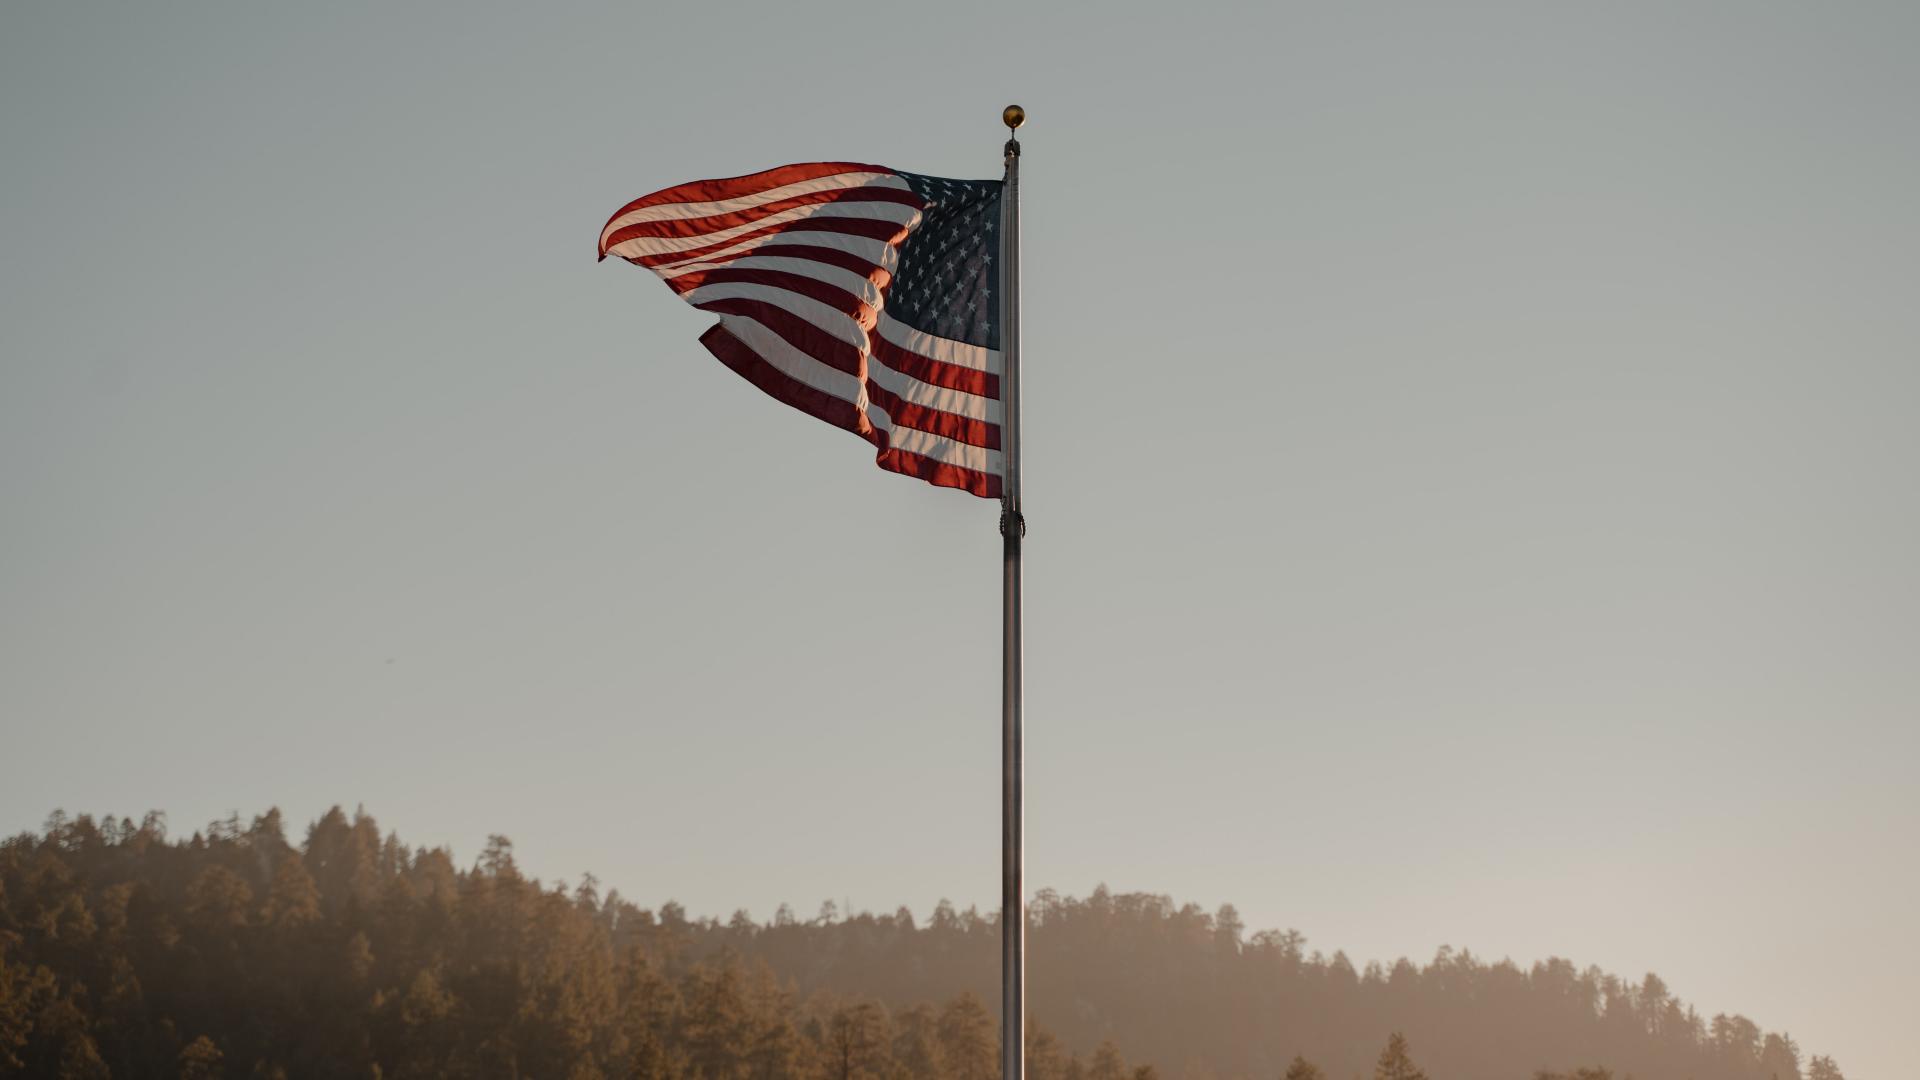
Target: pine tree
(1823,1068)
(80,1059)
(716,1024)
(916,1044)
(23,993)
(219,899)
(1780,1057)
(1396,1063)
(648,1003)
(1302,1069)
(200,1060)
(857,1039)
(1107,1063)
(1044,1059)
(292,899)
(968,1043)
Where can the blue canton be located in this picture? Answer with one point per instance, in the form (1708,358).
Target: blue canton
(948,280)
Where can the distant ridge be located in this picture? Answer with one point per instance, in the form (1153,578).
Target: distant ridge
(234,953)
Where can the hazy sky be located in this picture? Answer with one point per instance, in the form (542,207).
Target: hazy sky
(1471,467)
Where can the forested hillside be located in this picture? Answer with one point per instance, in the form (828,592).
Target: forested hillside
(234,953)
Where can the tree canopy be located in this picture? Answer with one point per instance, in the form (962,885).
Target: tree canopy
(235,953)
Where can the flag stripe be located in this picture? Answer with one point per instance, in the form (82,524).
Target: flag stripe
(798,366)
(842,200)
(929,370)
(959,403)
(958,428)
(977,459)
(857,299)
(889,220)
(806,377)
(711,207)
(797,331)
(945,350)
(826,317)
(862,284)
(787,257)
(735,187)
(940,473)
(885,232)
(862,249)
(751,366)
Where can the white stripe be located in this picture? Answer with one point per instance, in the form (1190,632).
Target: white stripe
(958,402)
(838,323)
(945,350)
(894,213)
(677,210)
(780,353)
(938,447)
(878,252)
(846,280)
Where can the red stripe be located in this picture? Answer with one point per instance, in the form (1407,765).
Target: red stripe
(884,231)
(684,227)
(801,334)
(908,414)
(736,187)
(936,372)
(833,296)
(739,356)
(939,473)
(845,260)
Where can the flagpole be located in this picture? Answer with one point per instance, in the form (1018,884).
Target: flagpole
(1013,528)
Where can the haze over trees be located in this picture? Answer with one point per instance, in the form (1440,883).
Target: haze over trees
(233,953)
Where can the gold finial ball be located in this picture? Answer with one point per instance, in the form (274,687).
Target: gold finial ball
(1014,116)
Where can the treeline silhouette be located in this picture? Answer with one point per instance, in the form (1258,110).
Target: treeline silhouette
(233,953)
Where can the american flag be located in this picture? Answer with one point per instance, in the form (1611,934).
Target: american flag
(865,296)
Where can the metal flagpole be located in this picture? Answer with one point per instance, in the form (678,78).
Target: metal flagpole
(1013,528)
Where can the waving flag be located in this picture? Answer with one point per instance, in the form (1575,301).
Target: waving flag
(865,296)
(886,303)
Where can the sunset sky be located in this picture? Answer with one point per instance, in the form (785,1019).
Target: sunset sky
(1471,467)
